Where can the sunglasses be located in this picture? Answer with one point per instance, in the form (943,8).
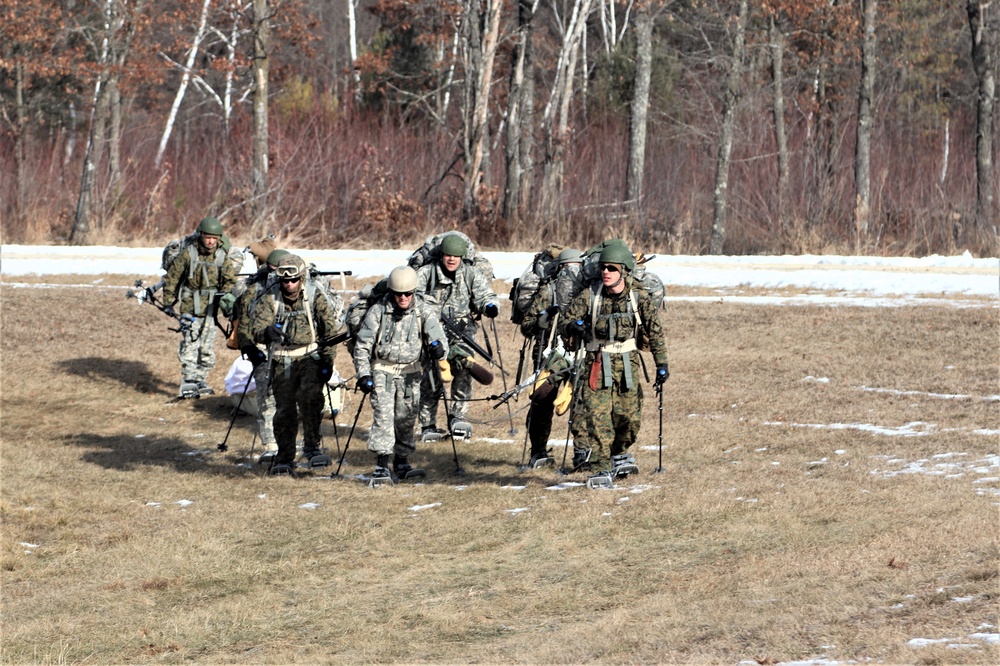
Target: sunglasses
(611,268)
(407,294)
(289,280)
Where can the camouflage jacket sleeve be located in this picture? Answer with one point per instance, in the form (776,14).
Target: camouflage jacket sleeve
(175,274)
(578,308)
(263,314)
(227,276)
(542,300)
(482,292)
(652,326)
(364,341)
(433,330)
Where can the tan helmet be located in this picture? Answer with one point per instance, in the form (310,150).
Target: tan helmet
(402,279)
(290,266)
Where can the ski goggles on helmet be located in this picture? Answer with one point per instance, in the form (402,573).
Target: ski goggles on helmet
(288,272)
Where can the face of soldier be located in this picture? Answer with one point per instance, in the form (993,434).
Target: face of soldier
(210,242)
(290,286)
(450,262)
(611,278)
(403,299)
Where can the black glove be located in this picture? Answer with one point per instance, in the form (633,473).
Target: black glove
(491,310)
(545,317)
(366,385)
(254,355)
(169,311)
(325,370)
(437,350)
(662,374)
(273,333)
(576,328)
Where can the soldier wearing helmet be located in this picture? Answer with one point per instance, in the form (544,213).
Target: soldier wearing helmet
(458,291)
(196,277)
(613,318)
(398,333)
(291,318)
(257,285)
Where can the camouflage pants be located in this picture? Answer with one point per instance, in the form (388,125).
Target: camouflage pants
(265,408)
(197,350)
(607,419)
(395,402)
(461,393)
(298,396)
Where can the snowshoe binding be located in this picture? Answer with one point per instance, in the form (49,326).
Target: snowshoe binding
(581,462)
(405,471)
(188,391)
(540,460)
(380,477)
(316,458)
(601,480)
(431,434)
(622,465)
(267,456)
(280,469)
(461,429)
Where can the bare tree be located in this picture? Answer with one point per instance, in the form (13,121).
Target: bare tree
(261,67)
(520,116)
(482,22)
(863,138)
(777,46)
(732,97)
(983,24)
(640,104)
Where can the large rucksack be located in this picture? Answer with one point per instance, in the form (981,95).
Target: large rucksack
(430,252)
(591,272)
(355,313)
(543,269)
(172,249)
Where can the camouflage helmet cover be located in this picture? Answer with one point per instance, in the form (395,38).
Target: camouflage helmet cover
(290,266)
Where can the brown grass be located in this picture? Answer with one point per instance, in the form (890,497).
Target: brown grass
(764,539)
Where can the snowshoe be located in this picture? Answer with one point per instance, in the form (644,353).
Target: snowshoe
(316,458)
(540,460)
(205,389)
(581,462)
(405,471)
(623,465)
(188,391)
(280,469)
(600,480)
(266,456)
(380,477)
(431,434)
(461,429)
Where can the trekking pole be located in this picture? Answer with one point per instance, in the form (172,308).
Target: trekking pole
(443,396)
(333,419)
(659,393)
(347,445)
(510,415)
(222,446)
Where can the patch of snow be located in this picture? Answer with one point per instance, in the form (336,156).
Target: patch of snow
(421,507)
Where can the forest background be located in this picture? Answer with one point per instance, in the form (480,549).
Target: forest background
(684,126)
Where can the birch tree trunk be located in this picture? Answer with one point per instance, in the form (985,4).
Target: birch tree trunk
(261,65)
(555,124)
(185,80)
(863,139)
(732,98)
(483,25)
(640,106)
(21,123)
(520,101)
(777,46)
(983,24)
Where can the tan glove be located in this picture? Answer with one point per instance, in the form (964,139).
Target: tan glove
(445,370)
(563,399)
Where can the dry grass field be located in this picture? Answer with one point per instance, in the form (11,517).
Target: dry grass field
(830,492)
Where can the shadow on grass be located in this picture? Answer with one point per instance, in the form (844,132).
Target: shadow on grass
(131,374)
(127,454)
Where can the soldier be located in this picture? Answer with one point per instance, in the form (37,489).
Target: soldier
(259,283)
(197,275)
(539,320)
(457,291)
(292,318)
(388,352)
(614,318)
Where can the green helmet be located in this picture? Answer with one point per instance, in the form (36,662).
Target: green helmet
(570,256)
(454,245)
(616,252)
(210,226)
(276,256)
